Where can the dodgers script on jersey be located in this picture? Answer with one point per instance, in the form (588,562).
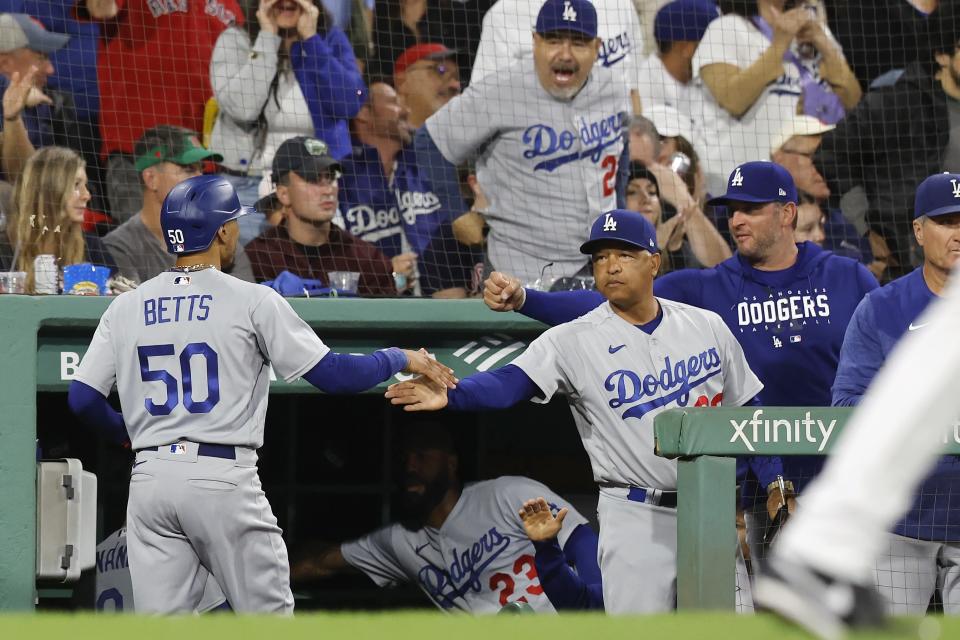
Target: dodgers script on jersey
(478,561)
(549,167)
(223,377)
(618,378)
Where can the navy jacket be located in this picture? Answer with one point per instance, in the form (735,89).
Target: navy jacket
(878,324)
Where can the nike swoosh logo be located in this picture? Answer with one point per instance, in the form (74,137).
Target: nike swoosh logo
(137,464)
(613,349)
(914,327)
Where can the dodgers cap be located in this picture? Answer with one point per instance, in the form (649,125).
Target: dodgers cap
(758,181)
(684,20)
(622,225)
(938,195)
(578,16)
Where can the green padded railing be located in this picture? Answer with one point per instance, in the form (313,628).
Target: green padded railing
(704,441)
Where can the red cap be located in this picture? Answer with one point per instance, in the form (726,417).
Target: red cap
(418,52)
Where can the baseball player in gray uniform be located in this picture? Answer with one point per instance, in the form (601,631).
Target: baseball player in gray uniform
(190,352)
(464,546)
(550,131)
(619,366)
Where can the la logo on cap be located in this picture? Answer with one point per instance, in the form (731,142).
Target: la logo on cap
(737,180)
(570,15)
(609,223)
(956,187)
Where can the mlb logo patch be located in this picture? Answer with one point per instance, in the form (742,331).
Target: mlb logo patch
(795,339)
(183,281)
(179,248)
(178,448)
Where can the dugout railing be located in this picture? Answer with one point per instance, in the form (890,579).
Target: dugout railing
(43,338)
(706,442)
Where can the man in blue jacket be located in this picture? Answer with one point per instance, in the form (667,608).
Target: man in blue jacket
(788,304)
(925,545)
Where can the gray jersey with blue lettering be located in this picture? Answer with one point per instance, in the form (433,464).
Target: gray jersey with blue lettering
(479,560)
(548,167)
(190,354)
(618,378)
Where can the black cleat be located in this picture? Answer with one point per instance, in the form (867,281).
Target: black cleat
(825,606)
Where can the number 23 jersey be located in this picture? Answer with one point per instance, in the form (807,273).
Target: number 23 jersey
(479,560)
(190,354)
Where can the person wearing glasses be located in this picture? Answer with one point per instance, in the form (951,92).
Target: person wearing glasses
(426,77)
(164,156)
(306,243)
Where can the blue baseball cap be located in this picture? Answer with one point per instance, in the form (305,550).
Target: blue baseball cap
(938,195)
(684,20)
(578,16)
(622,225)
(759,181)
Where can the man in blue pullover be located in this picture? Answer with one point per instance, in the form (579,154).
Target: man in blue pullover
(925,545)
(787,304)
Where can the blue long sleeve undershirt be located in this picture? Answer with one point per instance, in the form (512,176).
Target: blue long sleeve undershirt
(498,389)
(95,412)
(564,588)
(346,373)
(557,307)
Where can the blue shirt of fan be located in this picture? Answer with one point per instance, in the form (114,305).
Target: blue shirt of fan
(383,211)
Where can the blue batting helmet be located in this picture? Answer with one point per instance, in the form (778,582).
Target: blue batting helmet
(194,210)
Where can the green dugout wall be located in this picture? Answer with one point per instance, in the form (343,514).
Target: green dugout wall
(43,338)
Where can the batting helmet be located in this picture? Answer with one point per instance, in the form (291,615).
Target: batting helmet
(194,210)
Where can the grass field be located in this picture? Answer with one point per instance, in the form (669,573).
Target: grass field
(420,626)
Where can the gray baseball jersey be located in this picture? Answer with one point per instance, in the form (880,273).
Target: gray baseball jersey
(478,561)
(190,354)
(618,378)
(548,167)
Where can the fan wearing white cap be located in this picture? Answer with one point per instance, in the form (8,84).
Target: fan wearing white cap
(24,68)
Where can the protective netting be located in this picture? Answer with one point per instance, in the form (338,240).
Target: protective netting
(455,138)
